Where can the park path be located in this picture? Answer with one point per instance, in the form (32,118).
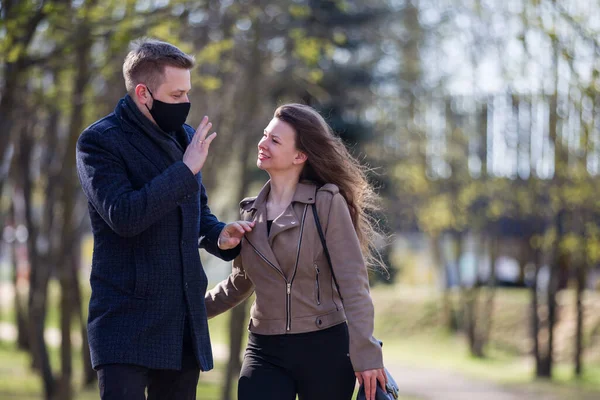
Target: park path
(437,384)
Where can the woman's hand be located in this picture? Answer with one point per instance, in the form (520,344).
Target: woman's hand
(232,234)
(370,378)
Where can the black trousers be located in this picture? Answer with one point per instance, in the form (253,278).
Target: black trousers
(313,365)
(129,382)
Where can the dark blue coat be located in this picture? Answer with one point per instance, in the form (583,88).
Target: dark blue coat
(149,216)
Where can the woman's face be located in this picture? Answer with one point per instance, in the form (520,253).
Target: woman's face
(277,149)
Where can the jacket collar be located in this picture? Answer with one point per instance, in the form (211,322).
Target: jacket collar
(305,193)
(289,219)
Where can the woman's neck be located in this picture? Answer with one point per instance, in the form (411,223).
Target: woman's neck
(283,188)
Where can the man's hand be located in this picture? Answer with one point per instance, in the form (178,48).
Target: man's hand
(370,379)
(232,234)
(197,151)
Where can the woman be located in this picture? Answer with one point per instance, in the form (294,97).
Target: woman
(307,338)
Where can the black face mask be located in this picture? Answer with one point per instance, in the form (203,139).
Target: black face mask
(168,116)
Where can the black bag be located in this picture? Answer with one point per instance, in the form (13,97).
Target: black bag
(391,388)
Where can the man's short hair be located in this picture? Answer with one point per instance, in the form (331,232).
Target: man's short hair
(147,60)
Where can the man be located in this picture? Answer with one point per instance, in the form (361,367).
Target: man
(140,170)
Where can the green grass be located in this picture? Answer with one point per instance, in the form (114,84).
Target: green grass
(408,320)
(7,311)
(18,381)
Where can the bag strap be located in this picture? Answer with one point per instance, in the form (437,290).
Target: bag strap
(324,243)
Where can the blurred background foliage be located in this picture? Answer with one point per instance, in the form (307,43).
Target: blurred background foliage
(478,118)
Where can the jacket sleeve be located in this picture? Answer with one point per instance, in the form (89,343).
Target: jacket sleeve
(230,292)
(127,211)
(210,229)
(353,280)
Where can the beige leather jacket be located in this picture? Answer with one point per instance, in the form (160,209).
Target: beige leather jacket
(289,272)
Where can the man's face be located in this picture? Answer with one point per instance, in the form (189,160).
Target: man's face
(175,87)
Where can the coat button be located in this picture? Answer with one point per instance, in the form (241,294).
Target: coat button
(186,285)
(183,242)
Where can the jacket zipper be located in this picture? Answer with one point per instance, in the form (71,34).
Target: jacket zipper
(266,260)
(318,285)
(288,304)
(288,297)
(288,285)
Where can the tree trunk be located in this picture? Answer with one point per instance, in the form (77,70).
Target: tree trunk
(66,311)
(7,104)
(488,313)
(247,153)
(547,359)
(20,316)
(16,248)
(535,320)
(20,30)
(481,319)
(39,277)
(236,332)
(89,375)
(581,281)
(68,248)
(449,318)
(462,297)
(470,305)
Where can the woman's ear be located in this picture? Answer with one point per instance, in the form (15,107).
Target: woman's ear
(300,158)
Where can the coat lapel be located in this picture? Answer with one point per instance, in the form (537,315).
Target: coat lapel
(287,220)
(258,237)
(145,146)
(159,148)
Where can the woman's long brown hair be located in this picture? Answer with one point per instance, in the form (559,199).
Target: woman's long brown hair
(328,161)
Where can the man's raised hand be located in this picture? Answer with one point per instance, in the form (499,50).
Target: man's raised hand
(197,151)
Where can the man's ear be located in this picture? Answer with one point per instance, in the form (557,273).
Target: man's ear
(300,158)
(142,94)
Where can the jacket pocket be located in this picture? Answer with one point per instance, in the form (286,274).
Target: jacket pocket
(317,285)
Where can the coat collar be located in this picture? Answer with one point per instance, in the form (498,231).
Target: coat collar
(147,137)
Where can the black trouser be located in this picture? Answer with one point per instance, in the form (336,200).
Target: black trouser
(313,365)
(129,382)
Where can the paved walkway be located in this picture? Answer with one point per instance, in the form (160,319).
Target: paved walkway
(434,384)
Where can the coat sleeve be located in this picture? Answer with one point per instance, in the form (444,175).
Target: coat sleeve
(128,211)
(210,229)
(353,280)
(229,292)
